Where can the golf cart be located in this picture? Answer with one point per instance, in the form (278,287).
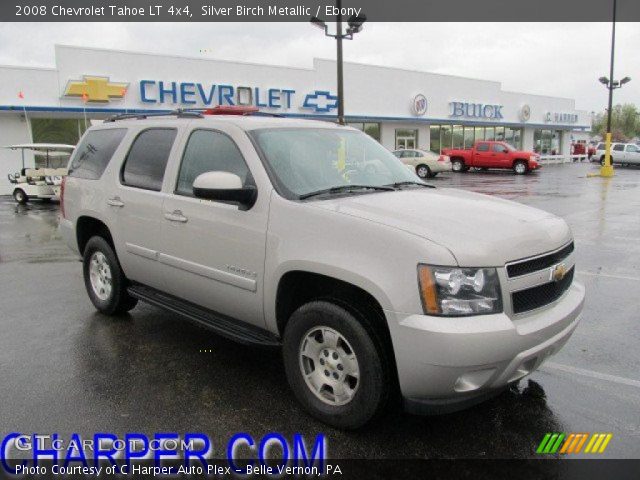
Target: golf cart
(37,182)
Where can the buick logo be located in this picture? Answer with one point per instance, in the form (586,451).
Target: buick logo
(419,106)
(558,272)
(525,113)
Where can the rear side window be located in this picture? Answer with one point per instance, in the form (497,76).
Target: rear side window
(208,151)
(483,147)
(147,159)
(618,148)
(94,152)
(498,148)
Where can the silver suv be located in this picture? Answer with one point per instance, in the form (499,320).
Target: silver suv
(312,237)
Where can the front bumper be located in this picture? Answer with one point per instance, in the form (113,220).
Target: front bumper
(446,364)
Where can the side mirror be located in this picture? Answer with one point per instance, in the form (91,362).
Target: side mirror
(506,150)
(226,187)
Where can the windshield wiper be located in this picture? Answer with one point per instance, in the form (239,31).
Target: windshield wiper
(408,182)
(345,188)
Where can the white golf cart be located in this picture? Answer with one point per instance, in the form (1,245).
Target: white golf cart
(37,182)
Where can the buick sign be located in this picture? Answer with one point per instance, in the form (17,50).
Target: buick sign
(419,106)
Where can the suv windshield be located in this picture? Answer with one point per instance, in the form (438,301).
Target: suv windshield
(308,160)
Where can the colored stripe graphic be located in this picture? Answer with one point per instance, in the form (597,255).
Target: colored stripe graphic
(572,443)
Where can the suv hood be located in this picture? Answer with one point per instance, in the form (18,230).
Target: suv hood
(479,230)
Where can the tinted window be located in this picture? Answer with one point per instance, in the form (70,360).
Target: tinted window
(618,148)
(483,147)
(600,146)
(496,147)
(94,152)
(147,159)
(209,151)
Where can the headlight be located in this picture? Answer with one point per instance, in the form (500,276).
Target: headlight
(458,292)
(533,158)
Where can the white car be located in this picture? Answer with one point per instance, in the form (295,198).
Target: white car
(277,232)
(426,164)
(621,153)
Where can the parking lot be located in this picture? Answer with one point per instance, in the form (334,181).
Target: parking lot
(65,368)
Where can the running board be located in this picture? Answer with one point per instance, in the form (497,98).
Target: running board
(227,327)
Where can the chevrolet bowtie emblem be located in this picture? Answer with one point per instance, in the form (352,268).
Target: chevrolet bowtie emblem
(95,89)
(558,272)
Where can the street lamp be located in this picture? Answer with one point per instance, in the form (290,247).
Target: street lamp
(354,26)
(607,169)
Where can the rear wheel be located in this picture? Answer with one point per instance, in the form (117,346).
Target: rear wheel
(104,280)
(520,167)
(423,171)
(20,196)
(335,366)
(457,165)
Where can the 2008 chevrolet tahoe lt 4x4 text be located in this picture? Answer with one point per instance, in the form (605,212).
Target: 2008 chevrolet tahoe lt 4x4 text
(311,236)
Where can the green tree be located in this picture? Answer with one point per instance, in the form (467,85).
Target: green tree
(625,123)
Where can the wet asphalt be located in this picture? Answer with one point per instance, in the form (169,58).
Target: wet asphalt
(65,368)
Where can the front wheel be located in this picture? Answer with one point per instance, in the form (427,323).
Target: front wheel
(20,196)
(104,280)
(457,166)
(520,168)
(335,368)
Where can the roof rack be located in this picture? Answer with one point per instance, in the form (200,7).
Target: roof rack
(196,113)
(179,112)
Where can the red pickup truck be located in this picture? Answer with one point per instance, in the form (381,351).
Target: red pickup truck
(489,154)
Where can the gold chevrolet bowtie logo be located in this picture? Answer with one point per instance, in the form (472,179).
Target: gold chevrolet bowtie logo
(558,272)
(95,89)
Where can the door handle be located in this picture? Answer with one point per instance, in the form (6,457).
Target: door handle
(115,202)
(175,216)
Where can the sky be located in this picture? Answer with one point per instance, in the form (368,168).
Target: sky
(555,59)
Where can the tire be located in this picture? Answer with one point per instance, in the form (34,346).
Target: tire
(20,196)
(457,165)
(363,398)
(520,167)
(423,171)
(104,280)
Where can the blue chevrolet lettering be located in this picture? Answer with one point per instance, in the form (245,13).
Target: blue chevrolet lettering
(195,93)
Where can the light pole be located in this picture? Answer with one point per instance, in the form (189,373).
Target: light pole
(355,25)
(607,169)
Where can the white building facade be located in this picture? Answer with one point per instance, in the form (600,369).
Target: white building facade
(400,108)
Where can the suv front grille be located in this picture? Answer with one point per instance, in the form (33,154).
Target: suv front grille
(539,263)
(541,295)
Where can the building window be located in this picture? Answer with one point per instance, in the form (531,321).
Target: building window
(56,130)
(406,138)
(457,136)
(547,142)
(434,137)
(490,133)
(469,137)
(371,129)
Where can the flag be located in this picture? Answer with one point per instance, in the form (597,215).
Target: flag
(85,97)
(20,94)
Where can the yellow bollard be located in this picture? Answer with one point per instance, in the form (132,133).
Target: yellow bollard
(607,169)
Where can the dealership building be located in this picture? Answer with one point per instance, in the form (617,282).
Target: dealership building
(399,108)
